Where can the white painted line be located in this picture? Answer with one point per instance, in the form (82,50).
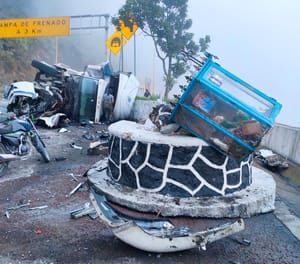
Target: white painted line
(291,221)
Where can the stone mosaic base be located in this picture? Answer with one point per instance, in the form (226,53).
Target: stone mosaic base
(257,198)
(172,165)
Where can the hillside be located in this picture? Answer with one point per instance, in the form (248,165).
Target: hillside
(16,54)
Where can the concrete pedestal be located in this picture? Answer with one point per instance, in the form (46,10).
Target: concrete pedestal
(257,198)
(176,175)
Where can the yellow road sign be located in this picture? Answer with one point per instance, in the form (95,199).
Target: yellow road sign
(35,27)
(128,32)
(116,42)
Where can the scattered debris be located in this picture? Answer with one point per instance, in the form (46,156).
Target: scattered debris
(103,134)
(88,136)
(38,207)
(73,177)
(73,145)
(97,148)
(63,130)
(85,210)
(75,189)
(95,144)
(160,117)
(244,242)
(18,206)
(60,158)
(51,121)
(7,214)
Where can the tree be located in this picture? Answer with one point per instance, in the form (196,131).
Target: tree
(166,22)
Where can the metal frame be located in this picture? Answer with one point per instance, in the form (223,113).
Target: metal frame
(227,97)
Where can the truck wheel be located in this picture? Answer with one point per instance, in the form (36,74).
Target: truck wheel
(46,68)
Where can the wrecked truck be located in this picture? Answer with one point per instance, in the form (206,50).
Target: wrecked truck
(59,89)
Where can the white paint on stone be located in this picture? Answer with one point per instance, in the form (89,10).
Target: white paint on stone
(127,130)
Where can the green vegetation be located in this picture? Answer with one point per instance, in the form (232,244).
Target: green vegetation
(166,22)
(292,173)
(149,98)
(16,54)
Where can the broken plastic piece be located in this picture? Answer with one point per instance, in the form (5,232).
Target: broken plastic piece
(75,146)
(75,189)
(38,207)
(63,130)
(85,210)
(158,235)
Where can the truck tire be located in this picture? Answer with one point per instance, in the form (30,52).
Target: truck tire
(46,68)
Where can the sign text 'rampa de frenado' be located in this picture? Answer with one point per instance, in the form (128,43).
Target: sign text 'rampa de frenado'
(35,27)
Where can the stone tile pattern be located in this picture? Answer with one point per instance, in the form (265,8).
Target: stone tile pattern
(190,171)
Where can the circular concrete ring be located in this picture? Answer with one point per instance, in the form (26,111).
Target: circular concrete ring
(257,198)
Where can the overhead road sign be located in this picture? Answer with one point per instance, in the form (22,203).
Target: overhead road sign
(115,42)
(89,22)
(35,27)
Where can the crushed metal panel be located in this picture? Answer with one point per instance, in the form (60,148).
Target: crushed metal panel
(158,235)
(127,91)
(22,88)
(51,121)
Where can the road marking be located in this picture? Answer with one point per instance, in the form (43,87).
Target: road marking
(292,222)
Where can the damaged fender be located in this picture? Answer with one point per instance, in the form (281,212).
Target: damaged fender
(158,235)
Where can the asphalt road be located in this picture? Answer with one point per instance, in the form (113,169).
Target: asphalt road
(43,232)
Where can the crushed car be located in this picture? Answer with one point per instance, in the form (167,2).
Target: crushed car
(270,159)
(75,95)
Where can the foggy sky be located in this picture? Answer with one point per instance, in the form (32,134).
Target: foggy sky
(256,40)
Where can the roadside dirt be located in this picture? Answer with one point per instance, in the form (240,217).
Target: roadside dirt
(49,235)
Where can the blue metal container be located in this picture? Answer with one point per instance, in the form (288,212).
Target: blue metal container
(225,111)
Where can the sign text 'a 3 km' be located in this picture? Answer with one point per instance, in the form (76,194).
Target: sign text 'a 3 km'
(35,27)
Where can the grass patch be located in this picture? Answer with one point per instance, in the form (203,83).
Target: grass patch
(149,98)
(155,98)
(292,173)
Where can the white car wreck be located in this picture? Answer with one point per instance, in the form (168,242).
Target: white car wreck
(158,235)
